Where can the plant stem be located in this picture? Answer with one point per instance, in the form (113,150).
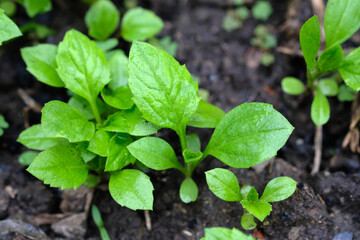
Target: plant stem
(318,149)
(95,110)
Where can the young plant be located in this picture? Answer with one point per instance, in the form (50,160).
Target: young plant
(96,215)
(3,125)
(234,19)
(224,184)
(9,29)
(219,233)
(262,10)
(341,21)
(265,41)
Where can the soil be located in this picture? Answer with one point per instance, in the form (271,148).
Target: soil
(324,206)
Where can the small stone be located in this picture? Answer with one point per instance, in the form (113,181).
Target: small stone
(343,236)
(71,227)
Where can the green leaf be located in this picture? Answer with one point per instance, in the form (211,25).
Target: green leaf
(118,154)
(130,121)
(35,7)
(132,189)
(331,59)
(107,44)
(292,86)
(224,184)
(310,35)
(60,166)
(84,107)
(102,19)
(320,109)
(163,90)
(262,10)
(193,142)
(40,62)
(230,22)
(8,29)
(121,98)
(35,138)
(260,209)
(166,44)
(346,94)
(26,158)
(82,65)
(328,86)
(62,120)
(190,156)
(188,190)
(341,20)
(138,24)
(249,134)
(252,195)
(99,144)
(206,116)
(85,154)
(279,189)
(118,70)
(350,70)
(248,222)
(96,215)
(3,122)
(219,233)
(154,153)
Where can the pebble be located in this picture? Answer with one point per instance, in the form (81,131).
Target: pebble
(344,236)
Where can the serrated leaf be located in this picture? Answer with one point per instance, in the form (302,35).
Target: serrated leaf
(350,70)
(35,138)
(206,116)
(328,86)
(130,121)
(310,35)
(331,59)
(292,86)
(193,142)
(40,62)
(163,90)
(219,233)
(121,98)
(132,189)
(341,20)
(62,120)
(8,29)
(279,189)
(224,184)
(260,209)
(60,166)
(99,144)
(82,65)
(118,154)
(249,134)
(35,7)
(118,69)
(188,190)
(138,24)
(26,158)
(154,153)
(102,19)
(320,109)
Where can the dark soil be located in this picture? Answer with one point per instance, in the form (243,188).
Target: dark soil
(323,206)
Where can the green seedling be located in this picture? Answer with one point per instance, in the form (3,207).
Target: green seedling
(224,184)
(234,19)
(9,29)
(103,18)
(262,10)
(3,125)
(341,21)
(265,41)
(105,135)
(220,233)
(27,157)
(8,6)
(166,44)
(96,215)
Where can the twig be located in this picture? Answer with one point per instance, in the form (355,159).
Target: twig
(147,220)
(31,105)
(318,149)
(352,137)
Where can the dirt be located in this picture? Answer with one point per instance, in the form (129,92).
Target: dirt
(324,206)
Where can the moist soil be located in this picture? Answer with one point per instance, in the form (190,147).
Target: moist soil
(324,206)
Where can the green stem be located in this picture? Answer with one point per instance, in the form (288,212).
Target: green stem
(95,110)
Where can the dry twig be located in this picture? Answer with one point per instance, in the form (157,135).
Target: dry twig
(318,149)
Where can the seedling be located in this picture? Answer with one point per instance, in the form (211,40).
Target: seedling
(9,30)
(262,10)
(234,19)
(223,183)
(265,41)
(3,125)
(219,233)
(96,215)
(341,21)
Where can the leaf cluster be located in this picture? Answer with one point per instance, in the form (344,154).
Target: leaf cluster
(341,21)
